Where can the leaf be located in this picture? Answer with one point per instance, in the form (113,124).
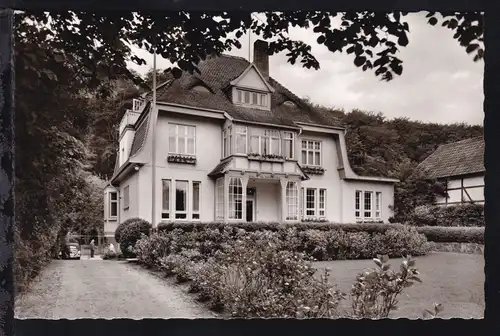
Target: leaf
(438,307)
(384,258)
(321,39)
(427,313)
(359,60)
(176,72)
(377,262)
(403,40)
(417,279)
(471,48)
(386,267)
(432,21)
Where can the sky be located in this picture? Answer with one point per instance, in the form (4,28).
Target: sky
(440,82)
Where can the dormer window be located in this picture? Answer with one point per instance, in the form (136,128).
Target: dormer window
(289,103)
(247,97)
(201,89)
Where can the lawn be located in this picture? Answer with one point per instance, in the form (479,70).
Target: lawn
(454,279)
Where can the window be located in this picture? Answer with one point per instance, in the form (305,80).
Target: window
(310,203)
(165,211)
(251,98)
(265,142)
(311,153)
(288,147)
(235,198)
(126,197)
(378,205)
(368,204)
(196,200)
(364,207)
(358,205)
(227,137)
(313,203)
(219,199)
(292,201)
(225,152)
(113,204)
(181,190)
(182,139)
(322,203)
(241,139)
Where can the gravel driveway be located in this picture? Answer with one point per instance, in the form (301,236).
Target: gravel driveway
(104,289)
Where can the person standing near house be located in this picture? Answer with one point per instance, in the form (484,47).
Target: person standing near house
(92,248)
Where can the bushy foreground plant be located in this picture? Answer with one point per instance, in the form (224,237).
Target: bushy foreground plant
(255,277)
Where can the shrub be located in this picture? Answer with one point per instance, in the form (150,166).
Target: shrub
(122,226)
(111,255)
(375,291)
(469,215)
(399,242)
(441,234)
(255,278)
(149,249)
(130,234)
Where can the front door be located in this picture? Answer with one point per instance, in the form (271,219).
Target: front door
(250,209)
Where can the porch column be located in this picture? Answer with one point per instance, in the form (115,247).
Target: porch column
(244,184)
(283,182)
(299,191)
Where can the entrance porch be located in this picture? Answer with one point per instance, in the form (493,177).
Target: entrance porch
(257,198)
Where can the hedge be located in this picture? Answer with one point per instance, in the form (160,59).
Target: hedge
(468,215)
(433,233)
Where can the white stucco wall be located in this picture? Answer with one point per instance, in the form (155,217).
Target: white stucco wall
(477,194)
(349,198)
(330,180)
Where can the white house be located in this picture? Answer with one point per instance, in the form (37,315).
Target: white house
(232,144)
(460,166)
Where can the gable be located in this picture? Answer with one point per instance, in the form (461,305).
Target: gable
(251,80)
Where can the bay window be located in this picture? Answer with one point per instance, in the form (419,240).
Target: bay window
(311,153)
(378,205)
(322,203)
(235,198)
(292,201)
(182,139)
(265,142)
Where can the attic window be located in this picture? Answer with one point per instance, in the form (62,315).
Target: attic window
(200,88)
(251,98)
(290,103)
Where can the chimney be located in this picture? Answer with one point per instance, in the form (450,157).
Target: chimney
(261,57)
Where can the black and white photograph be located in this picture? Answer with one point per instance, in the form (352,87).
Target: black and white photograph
(249,165)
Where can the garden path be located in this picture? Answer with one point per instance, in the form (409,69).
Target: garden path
(104,289)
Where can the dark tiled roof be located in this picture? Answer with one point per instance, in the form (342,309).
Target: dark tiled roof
(140,136)
(219,169)
(217,73)
(454,159)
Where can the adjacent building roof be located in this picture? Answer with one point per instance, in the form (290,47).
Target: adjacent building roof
(455,159)
(217,73)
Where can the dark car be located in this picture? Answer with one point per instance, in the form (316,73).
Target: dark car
(71,251)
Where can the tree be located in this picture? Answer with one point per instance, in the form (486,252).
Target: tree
(100,43)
